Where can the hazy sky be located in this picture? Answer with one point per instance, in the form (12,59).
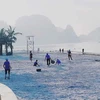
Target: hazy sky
(83,15)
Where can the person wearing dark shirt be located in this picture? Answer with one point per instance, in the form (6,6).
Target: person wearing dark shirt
(69,55)
(60,50)
(82,51)
(7,68)
(31,55)
(48,58)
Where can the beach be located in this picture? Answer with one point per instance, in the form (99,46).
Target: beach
(78,79)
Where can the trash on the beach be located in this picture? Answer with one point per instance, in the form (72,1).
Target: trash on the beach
(38,70)
(52,61)
(97,60)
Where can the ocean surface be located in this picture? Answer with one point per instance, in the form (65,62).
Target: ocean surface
(92,47)
(77,79)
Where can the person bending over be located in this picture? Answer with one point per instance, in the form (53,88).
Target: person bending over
(36,63)
(58,61)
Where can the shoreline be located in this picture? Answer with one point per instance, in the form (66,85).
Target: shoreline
(53,51)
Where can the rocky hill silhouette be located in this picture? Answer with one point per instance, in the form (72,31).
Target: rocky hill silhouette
(93,36)
(44,30)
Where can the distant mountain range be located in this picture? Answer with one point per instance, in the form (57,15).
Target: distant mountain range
(93,36)
(45,32)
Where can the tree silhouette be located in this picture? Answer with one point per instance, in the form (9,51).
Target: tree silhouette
(3,40)
(11,37)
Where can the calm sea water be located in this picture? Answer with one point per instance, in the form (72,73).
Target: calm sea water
(92,47)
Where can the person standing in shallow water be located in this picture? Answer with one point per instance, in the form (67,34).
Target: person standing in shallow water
(7,68)
(60,50)
(31,55)
(48,58)
(82,51)
(69,55)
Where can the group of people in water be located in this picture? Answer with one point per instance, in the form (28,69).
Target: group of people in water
(48,59)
